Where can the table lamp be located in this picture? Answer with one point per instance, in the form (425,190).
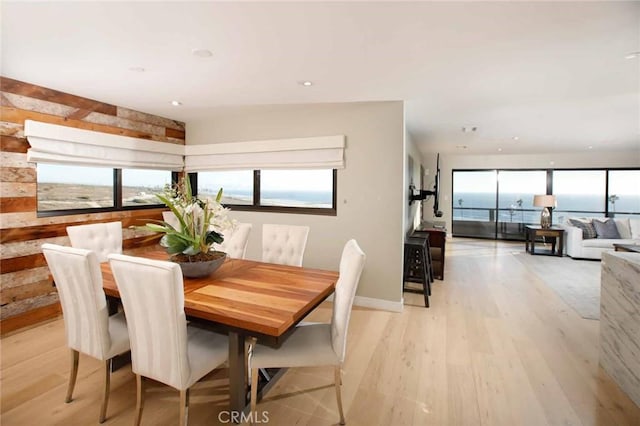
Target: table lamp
(545,201)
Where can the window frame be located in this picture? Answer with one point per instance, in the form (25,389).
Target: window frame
(257,207)
(117,200)
(607,213)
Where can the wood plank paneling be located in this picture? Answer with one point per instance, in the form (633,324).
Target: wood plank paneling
(14,115)
(23,262)
(17,189)
(13,144)
(172,133)
(60,229)
(15,159)
(38,92)
(151,119)
(15,308)
(17,174)
(30,318)
(17,204)
(27,291)
(25,296)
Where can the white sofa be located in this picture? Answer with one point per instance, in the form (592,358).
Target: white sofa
(592,248)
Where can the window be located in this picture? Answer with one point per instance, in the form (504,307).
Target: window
(516,189)
(237,186)
(65,189)
(474,203)
(62,187)
(140,186)
(297,188)
(579,193)
(624,193)
(310,191)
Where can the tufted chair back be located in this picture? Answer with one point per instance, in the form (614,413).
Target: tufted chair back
(102,238)
(235,241)
(78,279)
(351,265)
(284,244)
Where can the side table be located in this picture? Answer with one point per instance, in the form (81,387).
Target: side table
(555,233)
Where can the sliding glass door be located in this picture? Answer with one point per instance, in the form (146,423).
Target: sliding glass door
(474,203)
(516,189)
(499,203)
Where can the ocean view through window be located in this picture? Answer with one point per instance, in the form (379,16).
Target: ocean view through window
(498,203)
(308,191)
(68,189)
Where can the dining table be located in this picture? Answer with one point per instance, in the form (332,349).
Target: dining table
(246,299)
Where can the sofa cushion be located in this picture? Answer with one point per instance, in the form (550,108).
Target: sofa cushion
(606,243)
(588,231)
(623,226)
(606,229)
(634,225)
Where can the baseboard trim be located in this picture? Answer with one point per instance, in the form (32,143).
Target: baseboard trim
(385,305)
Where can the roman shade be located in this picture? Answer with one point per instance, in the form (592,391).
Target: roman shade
(52,143)
(55,144)
(325,152)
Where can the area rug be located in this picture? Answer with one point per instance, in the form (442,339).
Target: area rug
(577,282)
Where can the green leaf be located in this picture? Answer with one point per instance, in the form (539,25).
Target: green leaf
(213,237)
(176,243)
(219,196)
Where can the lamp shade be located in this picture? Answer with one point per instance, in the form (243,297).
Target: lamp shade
(544,200)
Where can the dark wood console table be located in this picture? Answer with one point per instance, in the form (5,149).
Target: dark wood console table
(437,241)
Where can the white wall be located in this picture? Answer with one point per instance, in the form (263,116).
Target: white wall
(537,161)
(371,190)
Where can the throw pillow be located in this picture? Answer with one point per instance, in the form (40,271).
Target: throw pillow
(634,224)
(606,230)
(624,228)
(588,231)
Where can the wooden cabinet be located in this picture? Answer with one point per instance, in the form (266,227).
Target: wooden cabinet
(437,241)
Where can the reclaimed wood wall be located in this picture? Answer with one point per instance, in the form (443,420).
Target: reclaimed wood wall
(26,293)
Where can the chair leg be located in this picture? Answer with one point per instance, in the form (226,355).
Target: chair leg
(107,386)
(254,394)
(73,374)
(184,407)
(139,398)
(339,394)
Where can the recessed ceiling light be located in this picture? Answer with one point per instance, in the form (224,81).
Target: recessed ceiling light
(461,146)
(632,55)
(499,149)
(202,53)
(515,138)
(176,103)
(136,69)
(469,129)
(590,146)
(306,83)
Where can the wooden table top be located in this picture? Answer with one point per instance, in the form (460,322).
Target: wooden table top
(261,298)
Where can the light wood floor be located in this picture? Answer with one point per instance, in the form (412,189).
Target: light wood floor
(497,347)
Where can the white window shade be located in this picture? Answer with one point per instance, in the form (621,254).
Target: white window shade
(55,144)
(326,152)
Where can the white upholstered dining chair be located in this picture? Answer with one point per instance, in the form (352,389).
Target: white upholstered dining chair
(284,244)
(88,326)
(102,238)
(163,346)
(235,241)
(317,344)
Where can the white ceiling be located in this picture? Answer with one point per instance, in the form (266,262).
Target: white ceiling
(553,74)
